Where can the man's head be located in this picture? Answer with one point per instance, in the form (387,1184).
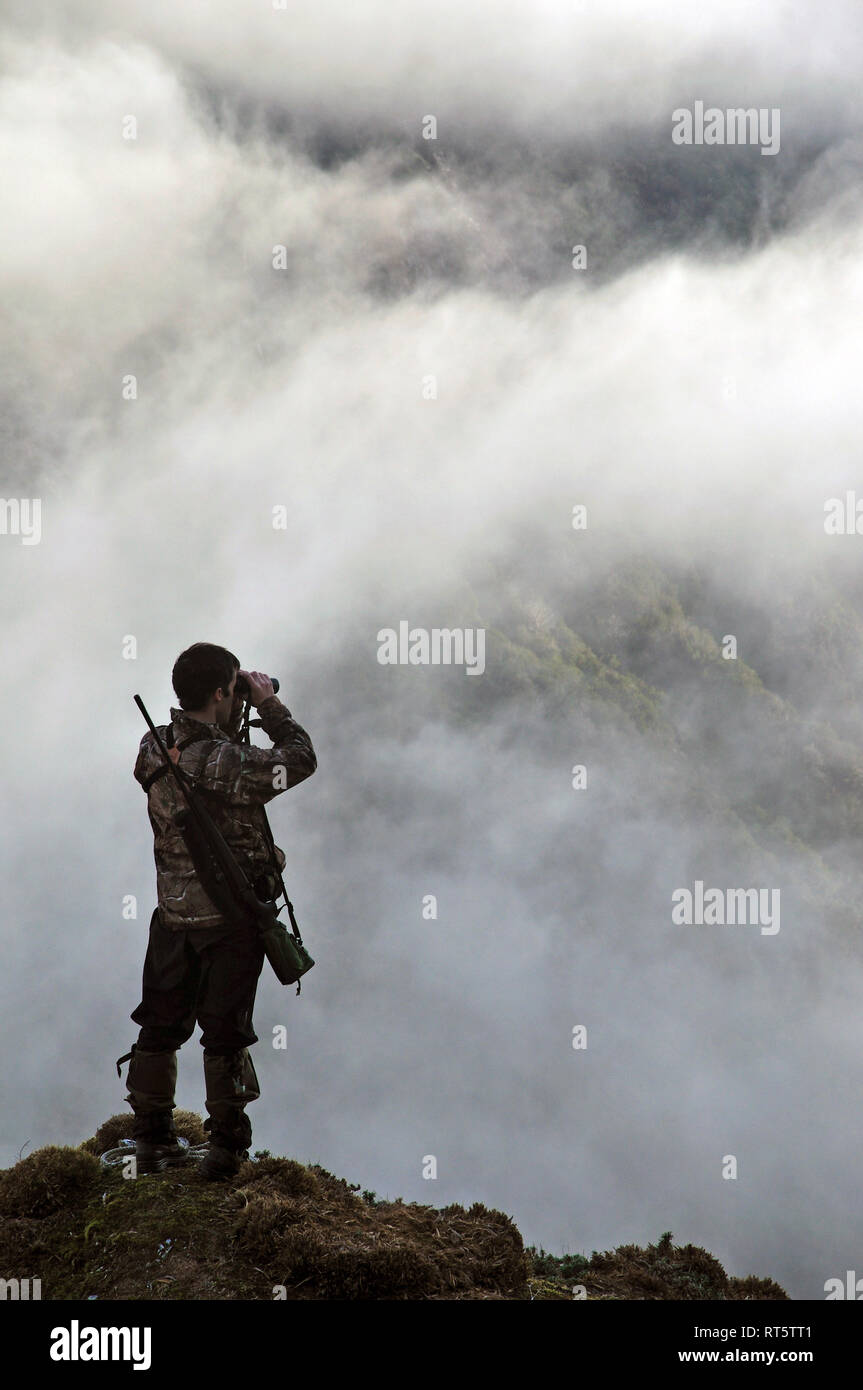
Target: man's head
(204,677)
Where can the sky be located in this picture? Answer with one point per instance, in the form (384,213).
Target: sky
(236,276)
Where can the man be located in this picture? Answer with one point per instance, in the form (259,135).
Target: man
(198,966)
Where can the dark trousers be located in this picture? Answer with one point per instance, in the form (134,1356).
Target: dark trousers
(204,975)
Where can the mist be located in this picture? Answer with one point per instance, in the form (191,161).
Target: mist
(428,387)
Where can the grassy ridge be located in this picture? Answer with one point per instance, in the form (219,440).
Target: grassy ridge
(283,1229)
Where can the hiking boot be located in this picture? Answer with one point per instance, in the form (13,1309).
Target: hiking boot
(157,1147)
(220,1163)
(156,1158)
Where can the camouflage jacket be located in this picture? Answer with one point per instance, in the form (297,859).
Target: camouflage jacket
(237,780)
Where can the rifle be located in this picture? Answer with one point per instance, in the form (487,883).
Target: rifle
(226,883)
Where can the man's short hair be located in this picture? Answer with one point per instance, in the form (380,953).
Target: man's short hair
(199,671)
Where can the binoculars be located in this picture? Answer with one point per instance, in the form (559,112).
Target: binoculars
(242,687)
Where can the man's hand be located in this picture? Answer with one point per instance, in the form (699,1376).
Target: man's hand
(260,687)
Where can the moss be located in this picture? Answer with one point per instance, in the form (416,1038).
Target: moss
(277,1223)
(281,1227)
(46,1181)
(661,1271)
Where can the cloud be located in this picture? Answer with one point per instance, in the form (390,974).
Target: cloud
(555,69)
(696,388)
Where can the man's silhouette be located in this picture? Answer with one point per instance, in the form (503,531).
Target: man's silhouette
(198,966)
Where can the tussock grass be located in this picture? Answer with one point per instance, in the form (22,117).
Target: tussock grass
(284,1229)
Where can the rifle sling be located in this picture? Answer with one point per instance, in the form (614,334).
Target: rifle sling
(169,743)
